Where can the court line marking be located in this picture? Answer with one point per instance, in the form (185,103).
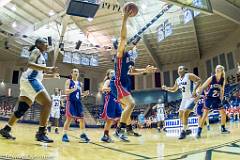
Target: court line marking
(202,150)
(184,154)
(118,150)
(208,155)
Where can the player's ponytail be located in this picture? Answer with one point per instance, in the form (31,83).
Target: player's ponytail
(31,48)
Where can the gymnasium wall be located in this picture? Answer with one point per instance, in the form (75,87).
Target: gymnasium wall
(7,68)
(227,45)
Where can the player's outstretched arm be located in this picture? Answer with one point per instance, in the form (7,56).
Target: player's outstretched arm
(171,89)
(205,84)
(123,38)
(32,63)
(141,71)
(51,76)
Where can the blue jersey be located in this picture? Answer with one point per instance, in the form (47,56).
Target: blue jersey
(215,87)
(127,83)
(76,95)
(122,66)
(201,99)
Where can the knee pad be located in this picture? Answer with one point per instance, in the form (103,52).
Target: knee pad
(22,109)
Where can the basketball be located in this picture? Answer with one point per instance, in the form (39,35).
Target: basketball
(130,8)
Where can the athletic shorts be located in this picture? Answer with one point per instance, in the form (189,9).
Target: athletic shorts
(55,113)
(199,109)
(30,88)
(112,109)
(118,89)
(187,104)
(213,103)
(160,117)
(74,109)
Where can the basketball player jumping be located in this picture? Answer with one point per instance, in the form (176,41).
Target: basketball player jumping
(183,82)
(118,84)
(214,98)
(160,115)
(32,89)
(74,108)
(55,111)
(112,109)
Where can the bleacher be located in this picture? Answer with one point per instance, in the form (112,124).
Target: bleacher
(92,111)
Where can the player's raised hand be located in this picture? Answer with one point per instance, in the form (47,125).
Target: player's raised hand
(154,69)
(150,69)
(51,69)
(164,87)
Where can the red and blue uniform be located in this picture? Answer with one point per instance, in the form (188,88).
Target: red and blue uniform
(213,100)
(112,109)
(120,83)
(74,108)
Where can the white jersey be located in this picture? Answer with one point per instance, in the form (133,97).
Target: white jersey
(56,102)
(36,57)
(185,85)
(160,109)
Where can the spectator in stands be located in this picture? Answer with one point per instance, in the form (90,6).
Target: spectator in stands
(141,120)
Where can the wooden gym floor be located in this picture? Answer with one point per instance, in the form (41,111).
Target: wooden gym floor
(152,145)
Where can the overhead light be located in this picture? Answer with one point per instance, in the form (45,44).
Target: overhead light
(14,24)
(143,6)
(90,19)
(51,13)
(4,2)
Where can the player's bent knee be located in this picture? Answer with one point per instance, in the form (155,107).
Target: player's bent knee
(22,109)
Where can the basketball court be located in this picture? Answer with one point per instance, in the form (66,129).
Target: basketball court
(197,34)
(152,145)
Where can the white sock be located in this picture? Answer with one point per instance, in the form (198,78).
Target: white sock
(185,127)
(82,131)
(64,131)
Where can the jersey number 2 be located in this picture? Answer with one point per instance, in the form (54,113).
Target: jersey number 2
(216,93)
